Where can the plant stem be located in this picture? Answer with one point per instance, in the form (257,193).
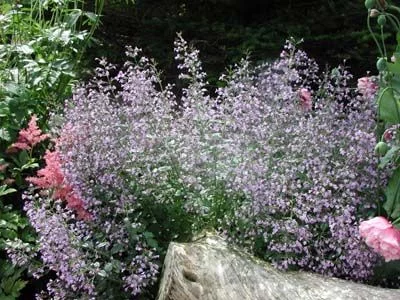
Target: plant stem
(373,35)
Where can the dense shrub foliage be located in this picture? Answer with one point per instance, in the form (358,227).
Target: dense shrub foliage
(41,46)
(281,161)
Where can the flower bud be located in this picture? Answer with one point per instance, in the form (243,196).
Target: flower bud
(381,20)
(388,135)
(381,64)
(374,13)
(369,4)
(381,148)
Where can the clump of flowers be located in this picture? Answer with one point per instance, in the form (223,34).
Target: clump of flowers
(28,137)
(51,178)
(309,174)
(281,161)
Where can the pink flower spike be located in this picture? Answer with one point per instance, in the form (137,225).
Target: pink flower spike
(28,137)
(305,99)
(51,177)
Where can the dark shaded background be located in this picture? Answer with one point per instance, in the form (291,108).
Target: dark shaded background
(225,30)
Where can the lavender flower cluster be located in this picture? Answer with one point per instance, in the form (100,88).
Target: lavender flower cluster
(309,175)
(281,160)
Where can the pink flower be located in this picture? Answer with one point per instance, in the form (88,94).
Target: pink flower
(51,177)
(366,86)
(381,236)
(305,99)
(28,137)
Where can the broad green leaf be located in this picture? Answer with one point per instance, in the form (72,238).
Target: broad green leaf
(389,106)
(394,67)
(392,192)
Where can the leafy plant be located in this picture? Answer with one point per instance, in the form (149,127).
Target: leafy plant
(388,112)
(281,161)
(41,45)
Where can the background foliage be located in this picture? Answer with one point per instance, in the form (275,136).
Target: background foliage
(224,30)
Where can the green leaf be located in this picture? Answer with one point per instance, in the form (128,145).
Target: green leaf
(4,190)
(108,267)
(91,16)
(18,286)
(392,192)
(73,16)
(393,67)
(4,109)
(23,157)
(117,248)
(149,236)
(389,157)
(5,135)
(388,106)
(9,234)
(25,49)
(12,285)
(30,165)
(102,273)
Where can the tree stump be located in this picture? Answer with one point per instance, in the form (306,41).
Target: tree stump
(209,269)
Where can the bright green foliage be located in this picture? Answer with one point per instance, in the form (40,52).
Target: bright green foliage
(12,226)
(388,129)
(41,45)
(10,284)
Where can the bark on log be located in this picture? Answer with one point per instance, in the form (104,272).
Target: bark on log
(209,269)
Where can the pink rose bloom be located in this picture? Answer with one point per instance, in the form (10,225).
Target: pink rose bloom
(305,99)
(366,86)
(380,235)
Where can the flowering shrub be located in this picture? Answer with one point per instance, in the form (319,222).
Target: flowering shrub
(281,161)
(310,174)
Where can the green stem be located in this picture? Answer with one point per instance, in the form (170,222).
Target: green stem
(383,42)
(395,22)
(373,35)
(99,4)
(392,7)
(396,221)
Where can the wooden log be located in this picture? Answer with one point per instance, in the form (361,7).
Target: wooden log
(209,269)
